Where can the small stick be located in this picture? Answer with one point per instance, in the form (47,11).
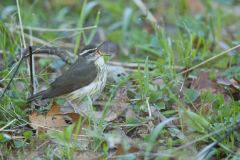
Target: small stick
(65,55)
(31,70)
(210,59)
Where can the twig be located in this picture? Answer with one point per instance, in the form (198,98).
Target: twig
(209,60)
(31,70)
(65,55)
(136,65)
(127,65)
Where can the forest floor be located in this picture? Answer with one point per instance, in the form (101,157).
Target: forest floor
(172,90)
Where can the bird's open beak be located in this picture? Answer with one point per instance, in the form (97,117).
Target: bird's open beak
(102,54)
(99,52)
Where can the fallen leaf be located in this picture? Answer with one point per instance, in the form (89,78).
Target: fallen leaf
(73,116)
(55,109)
(232,85)
(201,86)
(195,6)
(203,83)
(54,119)
(121,150)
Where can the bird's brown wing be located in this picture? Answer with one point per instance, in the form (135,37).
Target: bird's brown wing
(77,76)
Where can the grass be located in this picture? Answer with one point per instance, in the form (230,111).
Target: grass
(166,118)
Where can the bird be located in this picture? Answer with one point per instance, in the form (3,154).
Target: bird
(86,77)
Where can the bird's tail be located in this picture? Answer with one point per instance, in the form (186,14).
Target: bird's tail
(35,96)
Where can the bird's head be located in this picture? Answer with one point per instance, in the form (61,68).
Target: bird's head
(92,53)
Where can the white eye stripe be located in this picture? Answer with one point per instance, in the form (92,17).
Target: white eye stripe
(88,51)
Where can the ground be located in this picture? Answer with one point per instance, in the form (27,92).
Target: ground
(173,81)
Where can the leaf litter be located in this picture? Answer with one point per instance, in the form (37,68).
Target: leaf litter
(54,119)
(122,108)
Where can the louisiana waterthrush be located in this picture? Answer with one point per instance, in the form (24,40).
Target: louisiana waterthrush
(86,77)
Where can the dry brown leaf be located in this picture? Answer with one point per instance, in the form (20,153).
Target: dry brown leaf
(55,109)
(233,86)
(120,104)
(203,83)
(73,116)
(54,118)
(41,121)
(132,149)
(195,6)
